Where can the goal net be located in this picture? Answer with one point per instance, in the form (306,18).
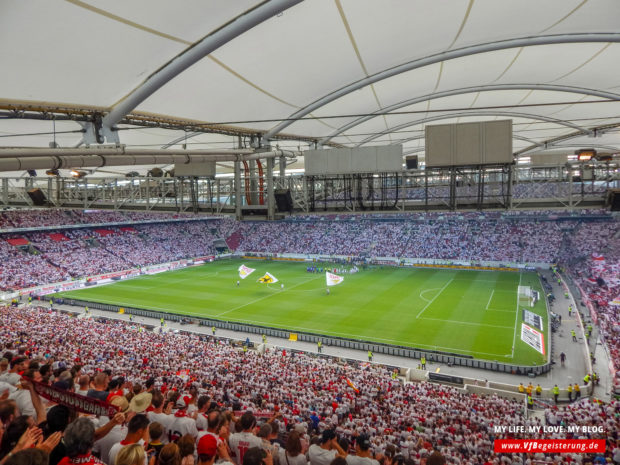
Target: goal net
(526,296)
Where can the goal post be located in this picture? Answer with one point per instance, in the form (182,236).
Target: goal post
(526,296)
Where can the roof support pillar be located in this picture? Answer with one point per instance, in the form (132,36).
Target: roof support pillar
(238,194)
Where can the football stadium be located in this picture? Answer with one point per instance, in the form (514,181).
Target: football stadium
(310,232)
(453,311)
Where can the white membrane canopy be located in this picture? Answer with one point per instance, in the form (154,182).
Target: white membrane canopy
(347,72)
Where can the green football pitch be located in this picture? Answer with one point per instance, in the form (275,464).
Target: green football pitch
(468,312)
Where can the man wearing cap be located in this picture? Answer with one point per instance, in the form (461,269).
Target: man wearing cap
(240,442)
(363,454)
(208,450)
(328,450)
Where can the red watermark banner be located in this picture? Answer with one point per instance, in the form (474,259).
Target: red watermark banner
(549,446)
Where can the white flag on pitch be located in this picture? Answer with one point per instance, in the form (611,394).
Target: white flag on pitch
(333,279)
(244,271)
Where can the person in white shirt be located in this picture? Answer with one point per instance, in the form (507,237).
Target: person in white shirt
(202,419)
(102,446)
(293,453)
(616,452)
(327,451)
(240,442)
(82,385)
(363,454)
(137,433)
(182,424)
(158,415)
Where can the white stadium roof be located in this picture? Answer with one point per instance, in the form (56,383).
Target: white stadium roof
(345,72)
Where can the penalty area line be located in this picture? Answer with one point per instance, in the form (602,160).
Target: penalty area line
(489,302)
(433,299)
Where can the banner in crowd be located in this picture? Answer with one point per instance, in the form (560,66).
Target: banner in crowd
(257,414)
(244,271)
(74,401)
(533,338)
(352,386)
(268,279)
(333,279)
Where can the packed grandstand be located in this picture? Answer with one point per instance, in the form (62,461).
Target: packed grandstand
(191,385)
(425,194)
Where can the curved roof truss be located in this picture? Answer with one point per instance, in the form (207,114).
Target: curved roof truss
(443,56)
(467,90)
(194,53)
(550,142)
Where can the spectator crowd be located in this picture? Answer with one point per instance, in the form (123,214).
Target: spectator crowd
(186,398)
(174,389)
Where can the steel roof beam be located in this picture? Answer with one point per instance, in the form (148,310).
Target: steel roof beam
(550,142)
(444,56)
(195,53)
(467,90)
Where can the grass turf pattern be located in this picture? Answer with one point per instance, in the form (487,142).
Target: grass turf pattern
(468,312)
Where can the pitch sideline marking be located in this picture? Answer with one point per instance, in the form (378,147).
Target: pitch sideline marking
(433,299)
(262,298)
(489,302)
(514,337)
(466,323)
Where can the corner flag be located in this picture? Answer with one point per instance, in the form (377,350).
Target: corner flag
(244,271)
(333,279)
(268,279)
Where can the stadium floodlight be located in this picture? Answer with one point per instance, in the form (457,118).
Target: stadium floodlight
(78,173)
